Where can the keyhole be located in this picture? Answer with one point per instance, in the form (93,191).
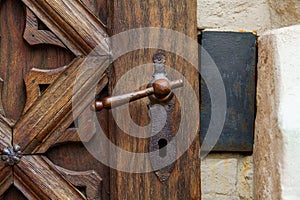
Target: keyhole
(161,144)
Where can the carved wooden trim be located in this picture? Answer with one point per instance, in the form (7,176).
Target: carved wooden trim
(5,133)
(37,77)
(6,177)
(88,179)
(46,115)
(3,119)
(72,23)
(34,79)
(5,125)
(35,36)
(64,134)
(37,179)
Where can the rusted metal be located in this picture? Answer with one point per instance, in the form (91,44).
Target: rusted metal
(12,155)
(161,88)
(162,147)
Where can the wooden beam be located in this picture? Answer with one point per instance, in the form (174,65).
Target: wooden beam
(184,182)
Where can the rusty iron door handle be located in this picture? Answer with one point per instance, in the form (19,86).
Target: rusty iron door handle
(161,89)
(160,93)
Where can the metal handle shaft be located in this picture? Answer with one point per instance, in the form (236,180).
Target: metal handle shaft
(161,88)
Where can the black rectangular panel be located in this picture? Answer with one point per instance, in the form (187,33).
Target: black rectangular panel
(234,54)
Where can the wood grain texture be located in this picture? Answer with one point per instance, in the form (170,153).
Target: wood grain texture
(5,133)
(99,8)
(6,177)
(75,157)
(36,179)
(34,79)
(55,105)
(34,36)
(72,23)
(5,125)
(62,134)
(89,180)
(184,182)
(13,193)
(18,57)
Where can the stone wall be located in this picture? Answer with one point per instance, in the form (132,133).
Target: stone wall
(234,15)
(247,15)
(230,176)
(284,13)
(227,177)
(277,136)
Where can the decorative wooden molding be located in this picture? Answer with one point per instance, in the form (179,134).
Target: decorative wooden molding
(77,28)
(34,36)
(54,107)
(48,114)
(88,179)
(37,77)
(6,177)
(5,133)
(35,177)
(34,79)
(64,133)
(5,125)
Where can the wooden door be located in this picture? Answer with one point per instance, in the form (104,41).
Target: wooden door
(44,46)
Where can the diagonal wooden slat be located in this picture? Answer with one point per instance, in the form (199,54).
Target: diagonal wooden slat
(5,133)
(5,125)
(36,179)
(48,112)
(72,23)
(6,177)
(62,134)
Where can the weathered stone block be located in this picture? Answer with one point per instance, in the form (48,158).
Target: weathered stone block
(284,13)
(234,15)
(227,176)
(277,136)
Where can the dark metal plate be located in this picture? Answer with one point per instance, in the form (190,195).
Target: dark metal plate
(235,56)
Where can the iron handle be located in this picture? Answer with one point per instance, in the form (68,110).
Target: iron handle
(161,89)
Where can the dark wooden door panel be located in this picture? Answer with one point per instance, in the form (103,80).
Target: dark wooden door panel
(44,44)
(184,181)
(39,44)
(17,57)
(75,157)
